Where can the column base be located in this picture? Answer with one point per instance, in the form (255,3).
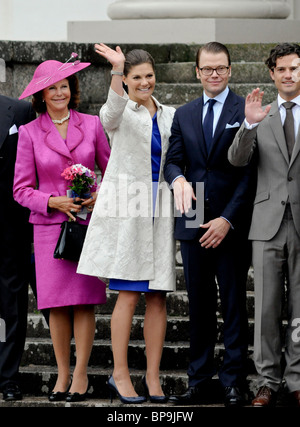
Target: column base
(197,31)
(167,9)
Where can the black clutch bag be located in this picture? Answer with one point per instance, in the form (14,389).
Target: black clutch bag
(70,241)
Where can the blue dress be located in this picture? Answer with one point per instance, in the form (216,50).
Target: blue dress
(143,285)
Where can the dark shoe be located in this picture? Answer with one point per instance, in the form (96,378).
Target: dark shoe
(153,399)
(113,390)
(11,392)
(295,398)
(190,397)
(76,397)
(58,396)
(265,397)
(233,397)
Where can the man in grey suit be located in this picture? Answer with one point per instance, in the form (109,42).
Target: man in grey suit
(271,135)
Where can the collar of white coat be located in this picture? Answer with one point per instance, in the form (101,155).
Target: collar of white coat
(135,106)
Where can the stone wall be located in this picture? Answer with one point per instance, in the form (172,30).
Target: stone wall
(21,59)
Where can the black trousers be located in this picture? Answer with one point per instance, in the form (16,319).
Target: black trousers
(208,271)
(15,272)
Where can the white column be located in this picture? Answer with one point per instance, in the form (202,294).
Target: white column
(6,17)
(296,9)
(170,9)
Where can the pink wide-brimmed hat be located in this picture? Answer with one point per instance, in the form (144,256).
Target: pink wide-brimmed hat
(50,72)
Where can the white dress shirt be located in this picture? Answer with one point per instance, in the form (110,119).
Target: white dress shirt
(295,110)
(218,106)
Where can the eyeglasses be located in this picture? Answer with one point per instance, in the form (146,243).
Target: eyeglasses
(208,71)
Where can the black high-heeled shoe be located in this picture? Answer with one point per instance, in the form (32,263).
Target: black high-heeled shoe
(127,400)
(153,399)
(58,396)
(77,397)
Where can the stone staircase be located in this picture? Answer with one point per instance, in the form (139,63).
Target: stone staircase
(176,85)
(38,368)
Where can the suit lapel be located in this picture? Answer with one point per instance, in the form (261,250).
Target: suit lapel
(228,112)
(277,129)
(6,119)
(296,148)
(75,133)
(197,124)
(54,140)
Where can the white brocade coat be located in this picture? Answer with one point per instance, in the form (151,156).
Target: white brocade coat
(124,240)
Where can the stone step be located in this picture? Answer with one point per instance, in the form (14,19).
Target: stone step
(185,72)
(39,351)
(177,328)
(181,93)
(177,304)
(250,52)
(177,301)
(39,380)
(177,94)
(98,396)
(112,411)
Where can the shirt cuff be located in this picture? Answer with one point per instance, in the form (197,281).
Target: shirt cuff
(228,222)
(248,126)
(171,186)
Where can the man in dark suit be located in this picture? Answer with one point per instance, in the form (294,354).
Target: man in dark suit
(218,250)
(15,249)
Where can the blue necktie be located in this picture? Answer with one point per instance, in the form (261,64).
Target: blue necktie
(208,124)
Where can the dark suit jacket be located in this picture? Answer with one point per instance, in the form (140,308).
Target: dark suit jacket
(228,190)
(15,242)
(13,114)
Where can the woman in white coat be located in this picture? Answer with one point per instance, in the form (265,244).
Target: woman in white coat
(130,237)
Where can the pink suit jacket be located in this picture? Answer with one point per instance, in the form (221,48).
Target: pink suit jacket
(43,155)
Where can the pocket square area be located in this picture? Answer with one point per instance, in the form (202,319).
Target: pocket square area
(13,130)
(235,125)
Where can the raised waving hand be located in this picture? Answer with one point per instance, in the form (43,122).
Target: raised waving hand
(117,60)
(115,57)
(253,107)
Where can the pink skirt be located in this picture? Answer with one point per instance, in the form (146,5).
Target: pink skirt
(58,284)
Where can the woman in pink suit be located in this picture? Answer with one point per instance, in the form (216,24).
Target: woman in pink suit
(57,139)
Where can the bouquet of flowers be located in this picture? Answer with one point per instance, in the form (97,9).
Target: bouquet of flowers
(82,179)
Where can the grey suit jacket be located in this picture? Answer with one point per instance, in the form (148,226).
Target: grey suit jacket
(278,178)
